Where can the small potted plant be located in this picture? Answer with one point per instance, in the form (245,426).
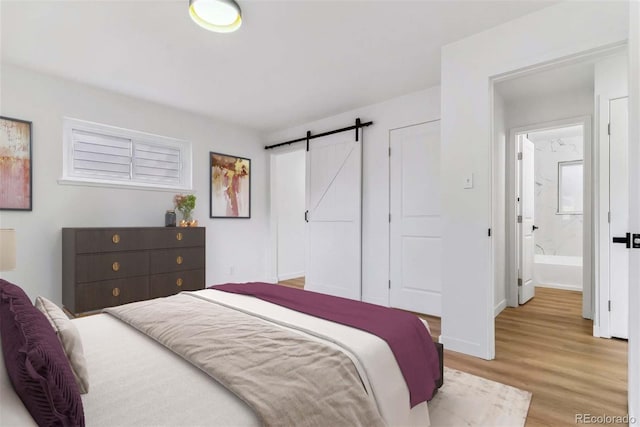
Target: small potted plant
(185,204)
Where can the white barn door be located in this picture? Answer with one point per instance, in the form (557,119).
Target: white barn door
(334,198)
(416,225)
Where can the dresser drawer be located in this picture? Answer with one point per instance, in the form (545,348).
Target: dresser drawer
(176,237)
(109,240)
(108,293)
(167,260)
(162,285)
(92,268)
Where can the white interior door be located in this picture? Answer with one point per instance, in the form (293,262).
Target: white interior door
(619,208)
(526,220)
(416,225)
(333,198)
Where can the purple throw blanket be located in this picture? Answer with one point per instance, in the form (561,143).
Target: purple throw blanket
(405,333)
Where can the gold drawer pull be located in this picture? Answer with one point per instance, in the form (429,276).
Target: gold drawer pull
(115,238)
(179,236)
(179,282)
(179,260)
(115,266)
(115,292)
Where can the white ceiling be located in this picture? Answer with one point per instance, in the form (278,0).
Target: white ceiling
(291,62)
(571,78)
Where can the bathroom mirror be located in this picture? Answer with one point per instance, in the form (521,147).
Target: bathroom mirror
(570,188)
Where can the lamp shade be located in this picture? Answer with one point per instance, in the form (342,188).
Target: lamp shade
(221,16)
(7,249)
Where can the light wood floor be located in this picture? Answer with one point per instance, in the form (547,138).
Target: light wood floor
(547,348)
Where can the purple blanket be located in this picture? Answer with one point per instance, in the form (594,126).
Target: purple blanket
(405,333)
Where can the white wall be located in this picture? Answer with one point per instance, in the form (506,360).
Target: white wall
(562,105)
(231,244)
(557,234)
(288,196)
(398,112)
(559,31)
(499,202)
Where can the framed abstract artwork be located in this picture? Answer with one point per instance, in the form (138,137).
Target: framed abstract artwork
(230,186)
(15,165)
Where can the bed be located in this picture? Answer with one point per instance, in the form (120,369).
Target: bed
(135,380)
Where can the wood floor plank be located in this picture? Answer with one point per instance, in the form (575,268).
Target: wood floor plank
(546,347)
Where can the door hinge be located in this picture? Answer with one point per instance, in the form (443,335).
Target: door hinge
(389,218)
(608,128)
(389,151)
(489,232)
(609,217)
(520,155)
(519,219)
(609,305)
(389,283)
(519,281)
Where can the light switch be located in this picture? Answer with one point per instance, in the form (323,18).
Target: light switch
(468,181)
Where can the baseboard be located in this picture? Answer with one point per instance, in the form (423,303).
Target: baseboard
(462,346)
(499,307)
(561,286)
(289,276)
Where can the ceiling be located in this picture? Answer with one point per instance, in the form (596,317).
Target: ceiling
(573,78)
(290,62)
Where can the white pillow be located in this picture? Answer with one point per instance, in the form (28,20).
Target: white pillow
(70,338)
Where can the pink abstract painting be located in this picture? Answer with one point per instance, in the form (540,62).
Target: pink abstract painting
(230,186)
(15,164)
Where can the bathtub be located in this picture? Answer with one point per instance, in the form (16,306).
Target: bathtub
(556,271)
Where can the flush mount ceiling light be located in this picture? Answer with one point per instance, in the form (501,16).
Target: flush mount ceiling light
(221,16)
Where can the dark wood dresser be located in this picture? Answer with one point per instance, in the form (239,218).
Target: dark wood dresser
(104,267)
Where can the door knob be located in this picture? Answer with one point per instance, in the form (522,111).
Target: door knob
(534,228)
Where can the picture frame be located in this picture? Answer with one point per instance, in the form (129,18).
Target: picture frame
(16,164)
(229,186)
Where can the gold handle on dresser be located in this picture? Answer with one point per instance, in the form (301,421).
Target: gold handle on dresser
(179,281)
(179,236)
(179,260)
(115,292)
(115,266)
(115,239)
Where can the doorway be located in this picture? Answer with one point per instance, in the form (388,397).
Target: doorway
(287,208)
(549,205)
(592,87)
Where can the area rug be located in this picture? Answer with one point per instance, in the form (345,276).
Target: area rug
(468,400)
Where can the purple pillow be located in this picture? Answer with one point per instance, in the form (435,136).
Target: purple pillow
(36,363)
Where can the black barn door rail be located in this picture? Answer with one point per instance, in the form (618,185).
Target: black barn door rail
(309,136)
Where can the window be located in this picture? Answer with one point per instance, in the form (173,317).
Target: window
(570,187)
(100,154)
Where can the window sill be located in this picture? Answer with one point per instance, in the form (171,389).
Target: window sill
(83,182)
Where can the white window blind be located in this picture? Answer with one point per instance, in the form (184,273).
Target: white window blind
(96,153)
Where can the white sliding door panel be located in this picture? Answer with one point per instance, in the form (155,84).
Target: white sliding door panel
(619,208)
(416,229)
(334,194)
(526,289)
